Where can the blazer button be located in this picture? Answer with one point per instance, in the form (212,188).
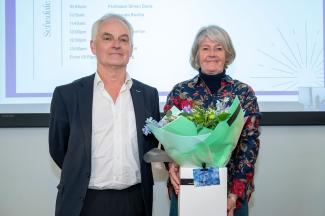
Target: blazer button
(82,198)
(88,174)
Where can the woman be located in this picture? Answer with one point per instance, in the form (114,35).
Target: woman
(212,52)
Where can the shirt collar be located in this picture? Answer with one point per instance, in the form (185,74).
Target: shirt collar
(98,80)
(128,80)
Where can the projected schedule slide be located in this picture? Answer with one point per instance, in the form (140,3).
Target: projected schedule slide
(279,44)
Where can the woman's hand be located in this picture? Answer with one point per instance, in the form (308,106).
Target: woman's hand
(174,175)
(231,204)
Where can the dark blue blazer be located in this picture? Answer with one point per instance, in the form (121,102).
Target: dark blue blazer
(70,140)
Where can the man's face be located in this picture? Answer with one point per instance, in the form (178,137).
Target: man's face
(112,44)
(212,57)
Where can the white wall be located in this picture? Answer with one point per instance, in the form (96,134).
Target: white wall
(289,177)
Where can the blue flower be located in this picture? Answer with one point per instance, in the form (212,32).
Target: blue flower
(162,123)
(146,131)
(222,105)
(150,121)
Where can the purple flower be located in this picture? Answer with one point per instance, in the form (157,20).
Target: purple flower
(187,109)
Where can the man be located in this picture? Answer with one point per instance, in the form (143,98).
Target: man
(95,133)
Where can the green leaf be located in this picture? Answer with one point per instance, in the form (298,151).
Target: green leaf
(185,114)
(223,116)
(169,113)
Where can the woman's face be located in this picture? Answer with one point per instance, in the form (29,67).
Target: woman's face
(212,57)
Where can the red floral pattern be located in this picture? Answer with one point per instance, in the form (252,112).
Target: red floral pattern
(167,107)
(179,103)
(238,188)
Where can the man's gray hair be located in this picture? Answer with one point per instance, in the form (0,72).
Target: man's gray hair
(94,29)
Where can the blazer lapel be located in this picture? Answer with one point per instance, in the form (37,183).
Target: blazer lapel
(138,104)
(85,99)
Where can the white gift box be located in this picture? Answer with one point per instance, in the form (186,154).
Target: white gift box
(204,200)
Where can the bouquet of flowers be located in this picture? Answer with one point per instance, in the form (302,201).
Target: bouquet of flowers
(195,136)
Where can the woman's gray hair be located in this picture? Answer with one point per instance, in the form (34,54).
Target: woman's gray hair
(94,29)
(217,34)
